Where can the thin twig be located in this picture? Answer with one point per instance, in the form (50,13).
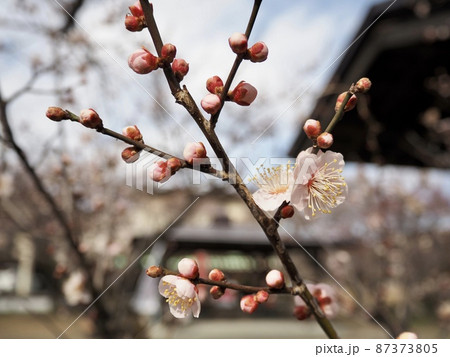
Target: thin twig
(337,116)
(227,285)
(156,37)
(29,84)
(207,169)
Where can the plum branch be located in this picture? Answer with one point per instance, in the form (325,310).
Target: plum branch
(223,284)
(269,226)
(324,191)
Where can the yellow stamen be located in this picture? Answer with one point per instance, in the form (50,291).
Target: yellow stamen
(273,180)
(326,185)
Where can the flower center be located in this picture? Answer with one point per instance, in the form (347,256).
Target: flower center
(173,299)
(324,187)
(273,180)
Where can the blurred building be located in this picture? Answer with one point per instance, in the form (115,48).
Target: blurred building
(405,118)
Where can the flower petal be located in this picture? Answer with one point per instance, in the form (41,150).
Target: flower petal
(305,167)
(318,187)
(165,282)
(177,312)
(299,197)
(269,201)
(185,289)
(196,307)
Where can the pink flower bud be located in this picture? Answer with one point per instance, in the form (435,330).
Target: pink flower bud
(275,279)
(407,335)
(90,118)
(363,85)
(216,292)
(168,52)
(216,275)
(248,304)
(132,132)
(154,271)
(258,52)
(136,9)
(261,296)
(180,68)
(312,128)
(325,140)
(159,171)
(211,103)
(214,85)
(287,212)
(188,268)
(134,24)
(243,94)
(302,312)
(173,164)
(130,154)
(56,113)
(194,151)
(238,42)
(350,104)
(142,61)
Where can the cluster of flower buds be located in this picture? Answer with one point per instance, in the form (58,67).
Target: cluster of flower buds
(313,130)
(162,170)
(88,117)
(239,45)
(211,102)
(143,61)
(131,153)
(362,86)
(136,21)
(249,303)
(216,291)
(312,127)
(325,296)
(244,94)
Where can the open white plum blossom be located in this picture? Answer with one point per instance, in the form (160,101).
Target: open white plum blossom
(181,295)
(319,185)
(275,186)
